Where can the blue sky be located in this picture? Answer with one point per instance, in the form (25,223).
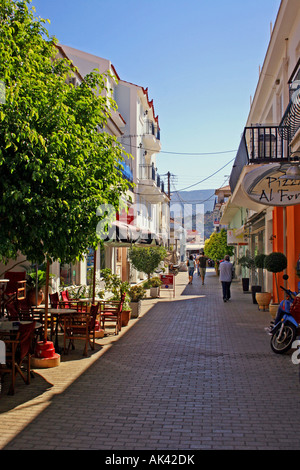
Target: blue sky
(199,59)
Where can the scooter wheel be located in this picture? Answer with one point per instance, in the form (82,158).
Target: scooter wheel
(282,339)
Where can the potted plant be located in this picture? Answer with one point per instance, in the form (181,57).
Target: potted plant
(116,287)
(146,259)
(126,312)
(154,285)
(275,262)
(246,262)
(35,281)
(258,293)
(136,294)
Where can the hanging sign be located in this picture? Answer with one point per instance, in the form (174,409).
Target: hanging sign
(235,238)
(265,186)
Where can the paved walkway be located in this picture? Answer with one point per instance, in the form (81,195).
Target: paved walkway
(191,373)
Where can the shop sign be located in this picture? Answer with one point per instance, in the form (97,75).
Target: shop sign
(234,238)
(168,282)
(265,186)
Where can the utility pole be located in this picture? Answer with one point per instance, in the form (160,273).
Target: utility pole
(169,184)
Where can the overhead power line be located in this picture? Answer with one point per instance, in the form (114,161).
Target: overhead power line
(195,184)
(177,153)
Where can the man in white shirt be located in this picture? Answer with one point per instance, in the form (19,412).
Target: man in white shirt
(226,277)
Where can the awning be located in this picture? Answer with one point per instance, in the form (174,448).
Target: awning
(122,234)
(126,171)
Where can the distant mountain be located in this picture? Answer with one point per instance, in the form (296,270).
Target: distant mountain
(201,196)
(195,205)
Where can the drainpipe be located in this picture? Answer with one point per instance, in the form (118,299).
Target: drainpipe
(284,240)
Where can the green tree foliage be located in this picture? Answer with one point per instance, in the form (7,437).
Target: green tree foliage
(147,259)
(57,165)
(216,246)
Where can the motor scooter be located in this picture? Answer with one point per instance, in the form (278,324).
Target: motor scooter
(287,323)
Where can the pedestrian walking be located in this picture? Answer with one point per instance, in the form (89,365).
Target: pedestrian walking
(191,267)
(202,263)
(226,277)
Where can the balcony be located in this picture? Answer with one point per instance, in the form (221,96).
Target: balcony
(260,145)
(290,123)
(150,184)
(266,145)
(151,137)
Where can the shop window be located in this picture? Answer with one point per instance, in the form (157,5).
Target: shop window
(67,274)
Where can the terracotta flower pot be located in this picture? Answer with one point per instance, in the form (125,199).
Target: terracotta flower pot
(263,299)
(273,309)
(126,315)
(32,297)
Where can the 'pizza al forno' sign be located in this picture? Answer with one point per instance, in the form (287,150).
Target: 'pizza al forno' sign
(271,186)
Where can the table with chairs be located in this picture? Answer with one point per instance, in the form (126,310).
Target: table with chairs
(24,326)
(17,339)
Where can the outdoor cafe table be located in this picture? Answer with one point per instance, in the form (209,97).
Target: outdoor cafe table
(13,326)
(57,313)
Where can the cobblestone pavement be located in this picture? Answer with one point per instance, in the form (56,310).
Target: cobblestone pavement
(191,373)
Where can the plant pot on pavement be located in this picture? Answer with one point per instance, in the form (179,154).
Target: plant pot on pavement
(273,310)
(263,300)
(154,292)
(135,308)
(254,290)
(125,316)
(245,283)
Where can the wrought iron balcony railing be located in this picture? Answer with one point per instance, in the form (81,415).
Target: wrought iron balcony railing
(259,144)
(265,144)
(152,129)
(149,172)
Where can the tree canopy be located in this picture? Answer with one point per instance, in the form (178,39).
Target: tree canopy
(216,246)
(57,164)
(146,259)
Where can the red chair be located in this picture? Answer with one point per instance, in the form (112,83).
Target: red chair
(54,300)
(111,311)
(65,298)
(18,350)
(81,327)
(66,302)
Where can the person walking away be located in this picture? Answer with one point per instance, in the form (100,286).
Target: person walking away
(202,266)
(226,277)
(197,264)
(191,267)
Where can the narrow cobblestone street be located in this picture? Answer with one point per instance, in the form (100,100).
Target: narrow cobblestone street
(191,373)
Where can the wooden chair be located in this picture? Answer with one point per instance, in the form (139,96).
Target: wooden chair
(54,300)
(24,310)
(18,350)
(12,312)
(111,311)
(81,327)
(16,287)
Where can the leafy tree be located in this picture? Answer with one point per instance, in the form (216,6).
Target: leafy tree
(146,259)
(57,165)
(216,246)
